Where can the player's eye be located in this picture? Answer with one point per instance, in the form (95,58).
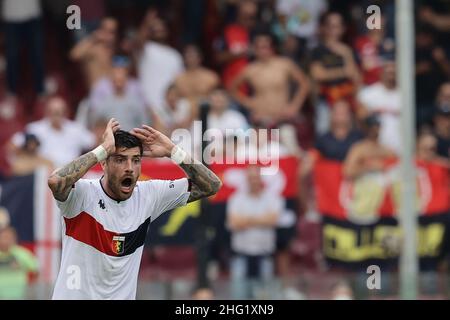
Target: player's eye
(119,160)
(137,160)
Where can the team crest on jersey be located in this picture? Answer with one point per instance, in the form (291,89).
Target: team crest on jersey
(118,244)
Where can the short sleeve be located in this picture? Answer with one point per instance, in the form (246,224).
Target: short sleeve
(77,200)
(168,194)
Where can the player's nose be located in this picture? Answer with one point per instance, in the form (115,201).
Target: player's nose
(129,166)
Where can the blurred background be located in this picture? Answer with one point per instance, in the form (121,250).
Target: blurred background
(323,72)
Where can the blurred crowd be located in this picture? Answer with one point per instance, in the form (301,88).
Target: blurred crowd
(312,69)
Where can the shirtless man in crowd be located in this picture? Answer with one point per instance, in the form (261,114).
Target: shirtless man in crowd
(269,77)
(95,52)
(197,81)
(368,155)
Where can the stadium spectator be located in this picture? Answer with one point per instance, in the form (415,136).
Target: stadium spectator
(92,11)
(335,144)
(96,51)
(269,77)
(427,144)
(369,49)
(426,151)
(224,120)
(437,15)
(11,121)
(293,49)
(61,139)
(300,18)
(119,96)
(252,216)
(16,263)
(271,104)
(383,99)
(333,68)
(22,24)
(158,63)
(221,116)
(196,82)
(432,69)
(442,120)
(265,147)
(233,48)
(367,155)
(443,95)
(26,160)
(178,111)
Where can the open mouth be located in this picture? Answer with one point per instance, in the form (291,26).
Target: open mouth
(126,184)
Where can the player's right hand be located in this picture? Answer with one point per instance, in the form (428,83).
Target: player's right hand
(108,136)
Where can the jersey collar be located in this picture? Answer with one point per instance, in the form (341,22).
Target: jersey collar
(104,191)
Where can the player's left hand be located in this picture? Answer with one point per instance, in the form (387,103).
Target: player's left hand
(156,144)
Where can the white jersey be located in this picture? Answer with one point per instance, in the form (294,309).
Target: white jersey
(103,238)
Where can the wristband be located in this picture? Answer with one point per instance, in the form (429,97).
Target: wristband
(178,155)
(100,153)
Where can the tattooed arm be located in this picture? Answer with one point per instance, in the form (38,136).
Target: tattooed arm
(204,182)
(62,180)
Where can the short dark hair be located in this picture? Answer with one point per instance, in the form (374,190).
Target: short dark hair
(323,18)
(264,31)
(125,139)
(193,45)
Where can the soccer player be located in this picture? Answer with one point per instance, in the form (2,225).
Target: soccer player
(105,221)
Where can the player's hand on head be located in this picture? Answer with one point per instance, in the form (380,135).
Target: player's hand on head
(156,144)
(108,136)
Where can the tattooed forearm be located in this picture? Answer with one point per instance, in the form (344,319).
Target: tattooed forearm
(204,182)
(61,181)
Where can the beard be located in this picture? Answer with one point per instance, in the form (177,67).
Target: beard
(122,187)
